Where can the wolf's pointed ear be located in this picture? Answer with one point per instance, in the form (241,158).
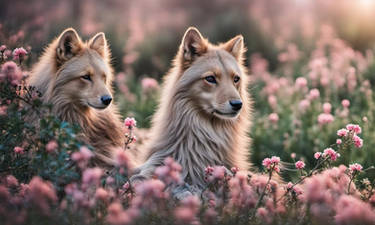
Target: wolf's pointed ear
(193,44)
(69,44)
(235,46)
(99,44)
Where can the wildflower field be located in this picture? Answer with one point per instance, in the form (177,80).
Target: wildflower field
(312,69)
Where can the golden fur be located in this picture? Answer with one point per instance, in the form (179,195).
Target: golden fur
(187,125)
(73,75)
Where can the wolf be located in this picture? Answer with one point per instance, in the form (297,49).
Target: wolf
(75,77)
(204,112)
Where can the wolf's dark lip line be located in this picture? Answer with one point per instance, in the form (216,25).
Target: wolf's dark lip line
(226,114)
(95,107)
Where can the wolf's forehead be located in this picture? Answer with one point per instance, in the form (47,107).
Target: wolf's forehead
(98,64)
(223,61)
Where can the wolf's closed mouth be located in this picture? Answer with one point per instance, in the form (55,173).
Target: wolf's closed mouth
(226,114)
(96,107)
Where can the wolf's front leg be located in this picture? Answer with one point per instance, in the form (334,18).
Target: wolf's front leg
(146,170)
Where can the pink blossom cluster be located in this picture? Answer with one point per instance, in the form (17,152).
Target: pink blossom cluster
(215,173)
(170,172)
(332,154)
(11,73)
(351,133)
(149,84)
(19,53)
(300,165)
(130,122)
(325,118)
(272,163)
(326,194)
(52,146)
(82,157)
(274,118)
(187,211)
(242,194)
(355,167)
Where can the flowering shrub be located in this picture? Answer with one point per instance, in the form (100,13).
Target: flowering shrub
(313,161)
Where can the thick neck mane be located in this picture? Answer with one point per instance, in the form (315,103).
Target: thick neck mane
(193,139)
(100,128)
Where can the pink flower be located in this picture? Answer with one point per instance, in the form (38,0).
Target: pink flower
(327,108)
(267,162)
(317,155)
(51,146)
(101,194)
(300,165)
(219,172)
(170,172)
(342,132)
(11,72)
(338,141)
(19,53)
(263,214)
(234,169)
(293,155)
(304,104)
(354,127)
(325,118)
(130,122)
(208,170)
(331,153)
(355,167)
(275,159)
(345,103)
(289,185)
(117,215)
(301,82)
(82,157)
(149,84)
(358,142)
(41,193)
(314,94)
(272,162)
(184,215)
(126,186)
(3,109)
(18,150)
(2,48)
(11,181)
(272,100)
(91,176)
(273,117)
(351,210)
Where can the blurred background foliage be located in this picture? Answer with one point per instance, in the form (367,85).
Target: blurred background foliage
(144,36)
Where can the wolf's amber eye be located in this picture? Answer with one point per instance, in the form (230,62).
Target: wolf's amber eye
(86,77)
(210,79)
(236,79)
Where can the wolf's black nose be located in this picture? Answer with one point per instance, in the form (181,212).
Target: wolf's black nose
(236,104)
(106,99)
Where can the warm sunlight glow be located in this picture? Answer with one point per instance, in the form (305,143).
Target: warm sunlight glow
(366,3)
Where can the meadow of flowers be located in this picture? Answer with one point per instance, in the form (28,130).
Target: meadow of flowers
(312,145)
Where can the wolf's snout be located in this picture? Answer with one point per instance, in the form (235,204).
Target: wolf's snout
(106,99)
(236,104)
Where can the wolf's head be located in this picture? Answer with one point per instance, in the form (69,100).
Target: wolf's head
(212,76)
(83,76)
